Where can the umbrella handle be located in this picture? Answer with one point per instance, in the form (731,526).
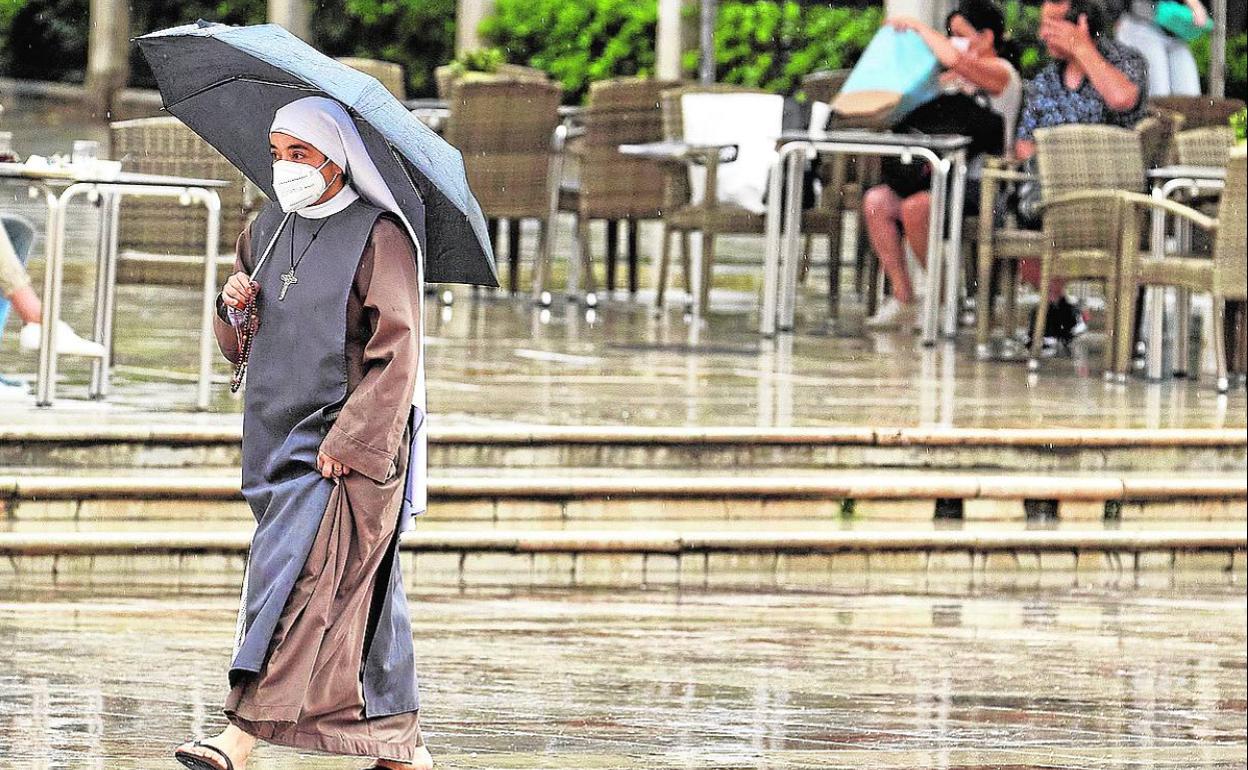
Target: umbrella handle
(268,249)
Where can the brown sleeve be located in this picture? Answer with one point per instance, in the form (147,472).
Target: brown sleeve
(227,338)
(366,434)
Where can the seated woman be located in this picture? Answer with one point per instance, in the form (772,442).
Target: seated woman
(1171,66)
(971,56)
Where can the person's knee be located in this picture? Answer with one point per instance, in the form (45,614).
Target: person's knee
(880,202)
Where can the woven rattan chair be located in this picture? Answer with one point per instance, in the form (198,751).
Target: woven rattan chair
(1199,111)
(1203,146)
(711,217)
(503,128)
(612,186)
(1083,169)
(445,76)
(1225,276)
(389,74)
(1005,246)
(164,145)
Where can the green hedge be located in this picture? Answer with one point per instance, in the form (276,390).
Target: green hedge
(761,43)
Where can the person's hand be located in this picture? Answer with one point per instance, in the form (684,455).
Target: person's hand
(238,289)
(1200,17)
(903,22)
(1065,39)
(329,467)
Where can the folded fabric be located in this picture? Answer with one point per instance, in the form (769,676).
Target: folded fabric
(751,122)
(896,74)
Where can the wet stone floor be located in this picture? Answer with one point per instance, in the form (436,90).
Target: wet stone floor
(910,673)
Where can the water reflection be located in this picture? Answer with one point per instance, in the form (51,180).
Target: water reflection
(906,673)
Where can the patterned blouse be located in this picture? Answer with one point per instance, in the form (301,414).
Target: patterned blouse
(1048,102)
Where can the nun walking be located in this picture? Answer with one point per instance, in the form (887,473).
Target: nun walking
(333,454)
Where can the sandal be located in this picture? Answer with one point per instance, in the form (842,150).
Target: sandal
(195,762)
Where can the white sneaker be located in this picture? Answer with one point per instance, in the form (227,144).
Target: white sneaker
(67,341)
(892,315)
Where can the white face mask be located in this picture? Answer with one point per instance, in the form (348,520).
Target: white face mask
(960,44)
(298,185)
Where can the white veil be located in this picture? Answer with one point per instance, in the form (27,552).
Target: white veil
(325,124)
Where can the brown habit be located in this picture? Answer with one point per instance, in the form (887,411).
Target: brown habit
(308,695)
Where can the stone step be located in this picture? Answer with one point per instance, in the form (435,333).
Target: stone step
(169,445)
(657,558)
(645,499)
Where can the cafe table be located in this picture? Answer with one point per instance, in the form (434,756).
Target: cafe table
(105,186)
(945,155)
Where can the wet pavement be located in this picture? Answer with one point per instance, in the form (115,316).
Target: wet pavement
(913,672)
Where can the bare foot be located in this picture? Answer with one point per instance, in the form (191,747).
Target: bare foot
(233,741)
(423,761)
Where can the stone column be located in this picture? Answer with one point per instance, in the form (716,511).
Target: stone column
(669,41)
(108,53)
(1217,50)
(468,17)
(294,15)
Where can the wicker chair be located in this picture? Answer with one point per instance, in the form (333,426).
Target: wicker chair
(165,145)
(612,186)
(845,178)
(1005,246)
(444,77)
(1199,111)
(1083,170)
(1203,146)
(389,74)
(503,128)
(1225,276)
(711,217)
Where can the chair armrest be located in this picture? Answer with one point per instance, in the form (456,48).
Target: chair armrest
(1141,201)
(1001,163)
(1081,197)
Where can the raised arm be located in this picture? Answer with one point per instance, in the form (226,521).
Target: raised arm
(366,434)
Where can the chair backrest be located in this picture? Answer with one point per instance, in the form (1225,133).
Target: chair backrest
(622,111)
(445,76)
(824,85)
(1203,146)
(164,145)
(1079,157)
(1229,253)
(1156,131)
(504,129)
(1199,111)
(389,74)
(750,119)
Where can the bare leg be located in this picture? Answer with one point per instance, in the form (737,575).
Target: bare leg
(881,208)
(915,211)
(233,741)
(27,305)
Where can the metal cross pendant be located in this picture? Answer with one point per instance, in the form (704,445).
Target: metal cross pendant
(288,279)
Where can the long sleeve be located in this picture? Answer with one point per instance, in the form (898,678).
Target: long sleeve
(227,337)
(366,434)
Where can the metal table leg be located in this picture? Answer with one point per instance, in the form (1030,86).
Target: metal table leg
(212,202)
(953,256)
(45,391)
(935,249)
(1156,296)
(771,259)
(789,260)
(105,293)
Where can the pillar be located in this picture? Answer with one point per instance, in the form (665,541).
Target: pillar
(669,41)
(294,15)
(108,53)
(468,17)
(1217,50)
(931,11)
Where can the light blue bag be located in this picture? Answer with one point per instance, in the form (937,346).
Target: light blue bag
(896,74)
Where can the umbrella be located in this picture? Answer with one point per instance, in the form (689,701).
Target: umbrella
(226,82)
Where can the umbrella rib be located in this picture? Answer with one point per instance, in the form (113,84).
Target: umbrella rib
(406,175)
(234,79)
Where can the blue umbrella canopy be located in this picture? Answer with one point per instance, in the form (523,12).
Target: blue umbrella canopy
(226,83)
